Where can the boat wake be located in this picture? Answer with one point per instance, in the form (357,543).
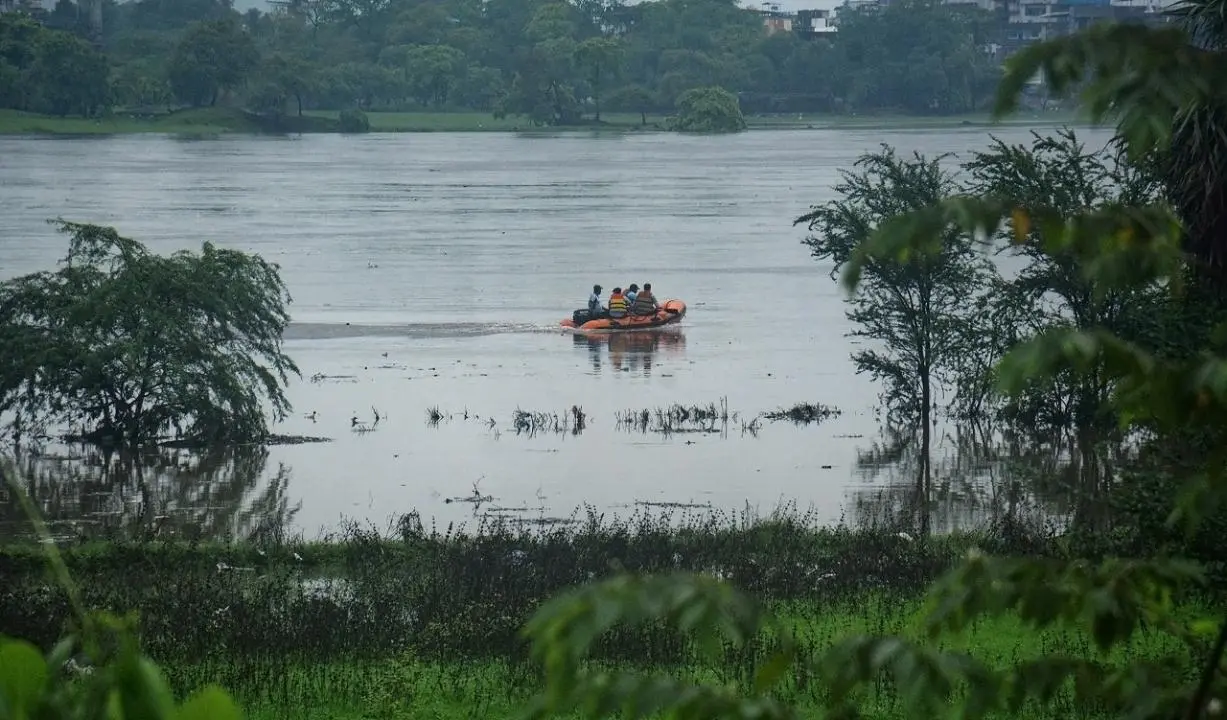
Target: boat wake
(336,330)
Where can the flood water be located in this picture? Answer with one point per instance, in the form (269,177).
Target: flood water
(431,270)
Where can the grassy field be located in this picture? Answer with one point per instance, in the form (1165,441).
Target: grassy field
(406,687)
(213,121)
(421,622)
(208,121)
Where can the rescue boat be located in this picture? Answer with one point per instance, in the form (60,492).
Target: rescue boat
(667,313)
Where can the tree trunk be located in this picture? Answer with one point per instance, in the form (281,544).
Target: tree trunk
(925,375)
(925,481)
(596,92)
(643,118)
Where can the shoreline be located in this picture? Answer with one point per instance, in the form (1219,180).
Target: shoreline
(221,121)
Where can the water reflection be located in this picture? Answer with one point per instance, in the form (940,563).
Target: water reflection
(632,352)
(84,493)
(973,483)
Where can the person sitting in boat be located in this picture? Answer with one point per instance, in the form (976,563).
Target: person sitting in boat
(618,305)
(631,292)
(645,303)
(594,302)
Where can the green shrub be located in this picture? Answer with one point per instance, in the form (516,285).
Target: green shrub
(708,110)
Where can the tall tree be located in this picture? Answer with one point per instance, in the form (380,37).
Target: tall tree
(69,74)
(919,311)
(601,58)
(212,56)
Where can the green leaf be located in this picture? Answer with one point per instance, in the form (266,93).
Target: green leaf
(1205,627)
(773,670)
(23,675)
(210,703)
(143,690)
(61,653)
(923,676)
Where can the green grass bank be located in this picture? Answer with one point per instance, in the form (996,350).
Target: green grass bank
(407,687)
(214,121)
(423,622)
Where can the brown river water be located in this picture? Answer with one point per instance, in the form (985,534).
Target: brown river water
(431,270)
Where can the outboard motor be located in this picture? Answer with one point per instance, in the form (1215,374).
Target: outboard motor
(581,316)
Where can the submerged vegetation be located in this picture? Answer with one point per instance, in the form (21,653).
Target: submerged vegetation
(803,413)
(713,417)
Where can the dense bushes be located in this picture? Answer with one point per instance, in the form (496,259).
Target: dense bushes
(446,594)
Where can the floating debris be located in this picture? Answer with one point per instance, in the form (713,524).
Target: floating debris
(321,377)
(537,521)
(476,498)
(677,505)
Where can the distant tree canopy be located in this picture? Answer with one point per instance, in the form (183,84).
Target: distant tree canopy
(552,61)
(124,345)
(49,71)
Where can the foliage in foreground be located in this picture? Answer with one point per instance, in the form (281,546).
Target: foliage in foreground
(125,344)
(1147,78)
(397,627)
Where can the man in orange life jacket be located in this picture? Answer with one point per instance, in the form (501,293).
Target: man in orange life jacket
(618,305)
(644,303)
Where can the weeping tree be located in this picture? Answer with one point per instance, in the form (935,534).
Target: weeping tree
(918,312)
(126,345)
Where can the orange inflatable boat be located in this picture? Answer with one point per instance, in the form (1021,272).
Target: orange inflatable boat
(669,312)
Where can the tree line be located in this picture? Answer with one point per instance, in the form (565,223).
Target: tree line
(552,61)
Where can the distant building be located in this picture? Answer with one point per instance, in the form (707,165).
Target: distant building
(1029,21)
(814,23)
(806,23)
(775,20)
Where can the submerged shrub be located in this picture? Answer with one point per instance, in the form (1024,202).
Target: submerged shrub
(354,121)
